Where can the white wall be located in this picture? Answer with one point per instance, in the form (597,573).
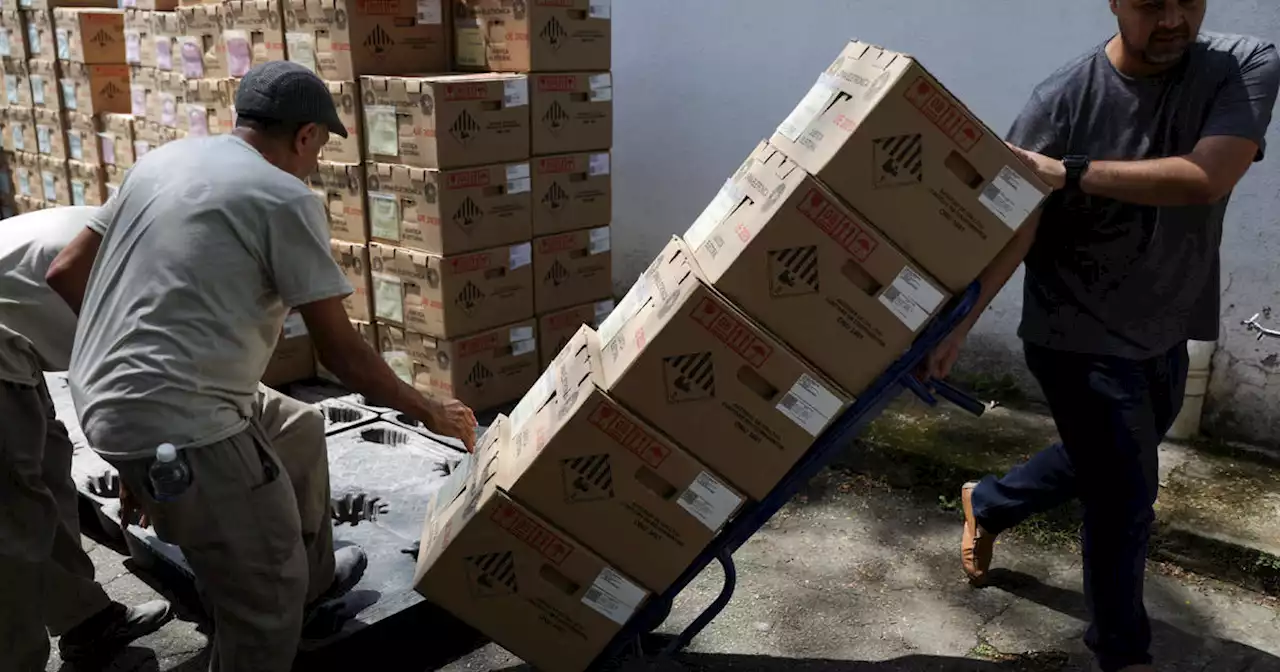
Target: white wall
(700,82)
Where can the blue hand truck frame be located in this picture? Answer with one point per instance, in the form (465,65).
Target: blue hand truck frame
(754,515)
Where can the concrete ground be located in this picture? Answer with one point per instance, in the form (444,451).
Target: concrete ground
(857,575)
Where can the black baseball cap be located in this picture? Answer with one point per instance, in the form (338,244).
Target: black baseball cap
(288,92)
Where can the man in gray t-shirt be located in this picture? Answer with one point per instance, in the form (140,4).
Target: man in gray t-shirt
(193,266)
(1144,138)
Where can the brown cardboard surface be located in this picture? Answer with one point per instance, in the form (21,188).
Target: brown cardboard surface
(148,135)
(25,204)
(572,268)
(53,181)
(606,477)
(167,27)
(26,176)
(51,139)
(513,576)
(885,136)
(82,139)
(294,358)
(556,328)
(137,32)
(113,175)
(791,255)
(253,32)
(449,211)
(50,4)
(90,35)
(343,40)
(541,36)
(95,89)
(156,5)
(448,297)
(208,107)
(571,191)
(346,98)
(15,31)
(86,183)
(117,140)
(343,185)
(367,332)
(198,45)
(571,112)
(484,370)
(447,121)
(40,33)
(43,78)
(168,98)
(17,83)
(353,258)
(683,358)
(21,130)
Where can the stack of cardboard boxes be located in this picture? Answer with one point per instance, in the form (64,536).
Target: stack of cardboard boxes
(810,273)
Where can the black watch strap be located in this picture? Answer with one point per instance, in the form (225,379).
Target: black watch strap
(1077,165)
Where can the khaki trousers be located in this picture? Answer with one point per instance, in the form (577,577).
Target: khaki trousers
(256,528)
(46,578)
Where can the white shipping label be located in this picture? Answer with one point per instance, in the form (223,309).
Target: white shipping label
(24,183)
(75,146)
(630,305)
(77,192)
(522,348)
(108,144)
(37,89)
(5,49)
(197,120)
(600,9)
(302,49)
(809,404)
(911,298)
(521,334)
(63,41)
(44,140)
(521,255)
(33,38)
(192,51)
(599,241)
(239,52)
(295,326)
(69,94)
(19,138)
(401,364)
(723,205)
(138,100)
(132,47)
(140,148)
(613,596)
(388,299)
(519,179)
(11,89)
(430,12)
(601,88)
(602,311)
(384,215)
(168,110)
(599,165)
(164,53)
(383,130)
(810,108)
(533,399)
(515,92)
(50,186)
(710,501)
(1011,197)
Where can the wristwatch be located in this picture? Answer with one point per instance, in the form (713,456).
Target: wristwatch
(1077,165)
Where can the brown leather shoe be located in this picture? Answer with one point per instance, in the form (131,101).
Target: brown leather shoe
(977,546)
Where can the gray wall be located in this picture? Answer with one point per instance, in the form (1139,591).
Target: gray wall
(700,82)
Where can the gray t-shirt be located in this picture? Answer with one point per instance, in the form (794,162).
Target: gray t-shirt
(1112,278)
(204,249)
(36,325)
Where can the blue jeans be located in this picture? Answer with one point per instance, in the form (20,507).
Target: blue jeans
(1112,414)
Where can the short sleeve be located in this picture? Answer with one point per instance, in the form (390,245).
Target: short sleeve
(1037,130)
(1243,104)
(106,213)
(298,252)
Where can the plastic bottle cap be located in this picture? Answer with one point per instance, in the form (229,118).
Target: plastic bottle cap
(166,452)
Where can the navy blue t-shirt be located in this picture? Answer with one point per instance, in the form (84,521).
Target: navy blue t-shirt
(1111,278)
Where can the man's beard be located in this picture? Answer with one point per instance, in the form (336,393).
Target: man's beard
(1165,55)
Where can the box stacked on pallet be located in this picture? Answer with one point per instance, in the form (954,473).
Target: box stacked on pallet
(93,81)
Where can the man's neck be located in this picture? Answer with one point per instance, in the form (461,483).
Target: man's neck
(1131,65)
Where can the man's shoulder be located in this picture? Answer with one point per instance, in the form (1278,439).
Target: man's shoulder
(1069,79)
(1238,47)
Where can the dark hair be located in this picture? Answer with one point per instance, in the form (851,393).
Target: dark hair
(271,128)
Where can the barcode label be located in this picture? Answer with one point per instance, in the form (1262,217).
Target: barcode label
(515,92)
(599,165)
(601,9)
(388,299)
(810,108)
(809,404)
(710,501)
(520,348)
(599,241)
(613,596)
(721,207)
(519,180)
(384,130)
(1011,197)
(912,298)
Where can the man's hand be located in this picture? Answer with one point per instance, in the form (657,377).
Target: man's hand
(937,365)
(131,512)
(451,417)
(1050,171)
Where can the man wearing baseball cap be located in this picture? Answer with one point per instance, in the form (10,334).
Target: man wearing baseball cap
(182,284)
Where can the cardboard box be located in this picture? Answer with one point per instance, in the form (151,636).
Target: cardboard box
(90,35)
(198,46)
(26,176)
(343,186)
(54,186)
(17,83)
(40,34)
(342,40)
(51,139)
(208,107)
(155,5)
(20,130)
(142,88)
(82,139)
(167,27)
(572,268)
(608,478)
(86,182)
(50,4)
(114,177)
(518,36)
(484,370)
(95,89)
(167,100)
(557,328)
(346,98)
(137,32)
(353,258)
(449,211)
(447,297)
(13,36)
(148,135)
(885,136)
(447,121)
(368,332)
(294,358)
(571,192)
(253,33)
(24,204)
(791,255)
(510,574)
(117,140)
(690,363)
(43,78)
(572,112)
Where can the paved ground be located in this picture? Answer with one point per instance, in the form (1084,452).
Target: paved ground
(856,576)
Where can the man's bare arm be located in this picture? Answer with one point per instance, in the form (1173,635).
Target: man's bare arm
(68,275)
(349,357)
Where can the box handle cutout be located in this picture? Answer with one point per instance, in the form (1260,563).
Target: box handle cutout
(756,383)
(578,177)
(553,576)
(494,190)
(580,97)
(577,14)
(490,105)
(495,273)
(860,278)
(965,171)
(656,484)
(579,253)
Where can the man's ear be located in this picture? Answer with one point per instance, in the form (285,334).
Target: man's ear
(308,135)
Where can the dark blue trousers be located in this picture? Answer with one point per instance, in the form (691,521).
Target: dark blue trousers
(1111,414)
